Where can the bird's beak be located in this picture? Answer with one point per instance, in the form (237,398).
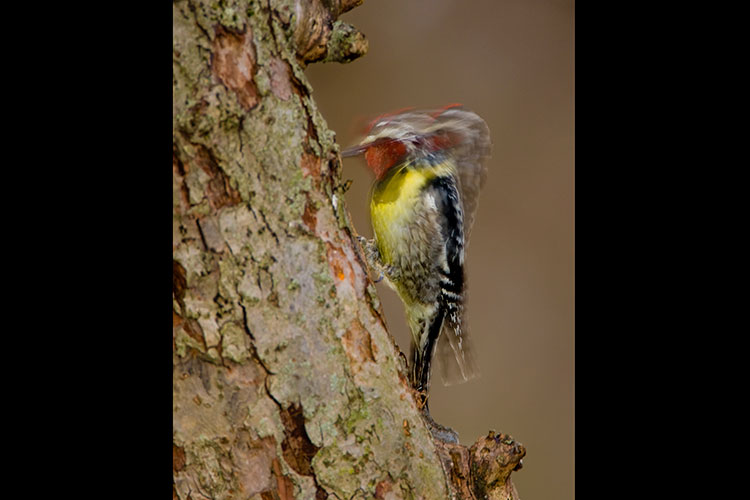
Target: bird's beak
(353,151)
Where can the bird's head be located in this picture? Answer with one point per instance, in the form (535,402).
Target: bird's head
(391,138)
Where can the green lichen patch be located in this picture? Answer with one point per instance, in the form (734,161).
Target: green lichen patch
(235,344)
(347,43)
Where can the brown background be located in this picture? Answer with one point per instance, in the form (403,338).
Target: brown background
(511,61)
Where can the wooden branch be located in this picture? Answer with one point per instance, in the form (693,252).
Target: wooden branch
(319,36)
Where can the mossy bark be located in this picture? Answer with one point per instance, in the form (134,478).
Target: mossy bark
(286,383)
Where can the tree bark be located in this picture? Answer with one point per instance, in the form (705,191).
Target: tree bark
(286,383)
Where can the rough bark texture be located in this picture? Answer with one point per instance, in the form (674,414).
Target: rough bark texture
(286,383)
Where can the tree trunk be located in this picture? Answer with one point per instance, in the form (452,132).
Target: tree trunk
(286,383)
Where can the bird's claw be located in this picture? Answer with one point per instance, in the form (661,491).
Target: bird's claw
(421,397)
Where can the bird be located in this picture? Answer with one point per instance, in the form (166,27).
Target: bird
(429,167)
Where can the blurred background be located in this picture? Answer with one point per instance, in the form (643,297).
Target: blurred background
(512,62)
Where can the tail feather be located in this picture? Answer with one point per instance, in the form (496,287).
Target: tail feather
(455,355)
(454,350)
(421,359)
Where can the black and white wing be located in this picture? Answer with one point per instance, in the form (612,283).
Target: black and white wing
(470,147)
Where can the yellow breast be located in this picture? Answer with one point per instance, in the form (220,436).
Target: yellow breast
(392,208)
(395,202)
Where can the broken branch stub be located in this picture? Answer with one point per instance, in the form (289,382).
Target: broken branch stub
(318,36)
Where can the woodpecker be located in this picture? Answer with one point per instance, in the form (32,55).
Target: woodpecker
(429,167)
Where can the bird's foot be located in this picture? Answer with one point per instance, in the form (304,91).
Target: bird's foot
(439,432)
